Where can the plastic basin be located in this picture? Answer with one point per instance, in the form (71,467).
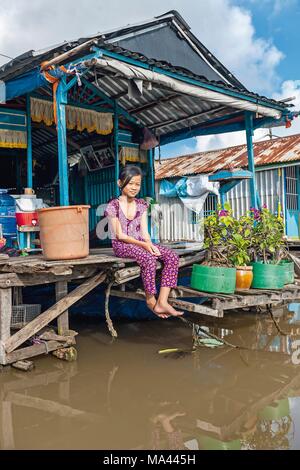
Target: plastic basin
(213,279)
(64,232)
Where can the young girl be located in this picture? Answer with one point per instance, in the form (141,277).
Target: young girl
(128,223)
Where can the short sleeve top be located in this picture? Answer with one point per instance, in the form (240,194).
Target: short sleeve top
(131,227)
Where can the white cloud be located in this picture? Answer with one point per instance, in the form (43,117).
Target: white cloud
(289,88)
(224,28)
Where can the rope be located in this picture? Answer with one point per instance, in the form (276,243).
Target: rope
(269,310)
(107,315)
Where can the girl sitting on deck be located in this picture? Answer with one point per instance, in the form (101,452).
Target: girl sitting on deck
(128,224)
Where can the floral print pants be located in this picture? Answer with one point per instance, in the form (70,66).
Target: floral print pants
(147,262)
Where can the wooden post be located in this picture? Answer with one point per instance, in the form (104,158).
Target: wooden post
(61,101)
(53,312)
(116,146)
(250,151)
(29,144)
(5,320)
(7,440)
(61,290)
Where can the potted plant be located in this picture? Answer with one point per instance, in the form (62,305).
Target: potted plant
(217,273)
(269,250)
(239,246)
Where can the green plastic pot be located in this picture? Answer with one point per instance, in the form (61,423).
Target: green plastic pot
(213,279)
(268,276)
(289,271)
(279,409)
(210,443)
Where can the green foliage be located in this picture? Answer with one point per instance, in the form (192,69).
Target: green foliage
(268,242)
(235,242)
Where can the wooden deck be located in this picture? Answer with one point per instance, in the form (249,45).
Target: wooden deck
(99,267)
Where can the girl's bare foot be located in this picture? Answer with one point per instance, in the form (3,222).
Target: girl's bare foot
(151,305)
(167,309)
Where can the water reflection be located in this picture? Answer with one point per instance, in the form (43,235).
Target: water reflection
(123,395)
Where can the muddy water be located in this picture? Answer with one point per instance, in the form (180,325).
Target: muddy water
(124,395)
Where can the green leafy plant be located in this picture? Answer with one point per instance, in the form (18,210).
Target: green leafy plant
(259,235)
(227,239)
(268,241)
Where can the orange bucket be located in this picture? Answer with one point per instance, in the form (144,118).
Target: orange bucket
(64,232)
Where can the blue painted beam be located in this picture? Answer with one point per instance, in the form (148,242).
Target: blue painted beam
(116,147)
(205,129)
(151,168)
(230,175)
(251,165)
(29,144)
(61,101)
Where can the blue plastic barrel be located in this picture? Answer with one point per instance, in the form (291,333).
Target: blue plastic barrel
(7,214)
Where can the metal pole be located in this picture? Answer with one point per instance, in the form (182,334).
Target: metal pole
(223,199)
(29,144)
(116,147)
(61,100)
(251,166)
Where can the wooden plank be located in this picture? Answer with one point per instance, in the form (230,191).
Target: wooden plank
(123,275)
(34,279)
(5,320)
(188,306)
(190,290)
(52,407)
(198,308)
(61,291)
(5,313)
(53,312)
(7,440)
(35,350)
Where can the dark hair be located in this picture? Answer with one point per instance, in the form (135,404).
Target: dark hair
(128,172)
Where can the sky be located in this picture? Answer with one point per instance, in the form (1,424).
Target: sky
(257,40)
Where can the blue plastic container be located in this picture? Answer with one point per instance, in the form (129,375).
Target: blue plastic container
(7,214)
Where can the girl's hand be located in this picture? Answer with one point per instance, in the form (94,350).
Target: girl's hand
(153,250)
(156,250)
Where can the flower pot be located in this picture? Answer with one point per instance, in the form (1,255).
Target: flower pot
(289,271)
(213,279)
(277,410)
(211,443)
(268,276)
(244,277)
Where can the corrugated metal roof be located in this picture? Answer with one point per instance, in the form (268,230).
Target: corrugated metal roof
(279,150)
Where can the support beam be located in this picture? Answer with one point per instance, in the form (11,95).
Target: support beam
(251,165)
(61,290)
(116,146)
(53,312)
(29,144)
(151,168)
(5,320)
(61,101)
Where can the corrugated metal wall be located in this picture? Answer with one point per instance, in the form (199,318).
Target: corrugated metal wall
(178,223)
(270,184)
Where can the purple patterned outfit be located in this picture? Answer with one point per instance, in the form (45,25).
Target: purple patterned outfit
(147,261)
